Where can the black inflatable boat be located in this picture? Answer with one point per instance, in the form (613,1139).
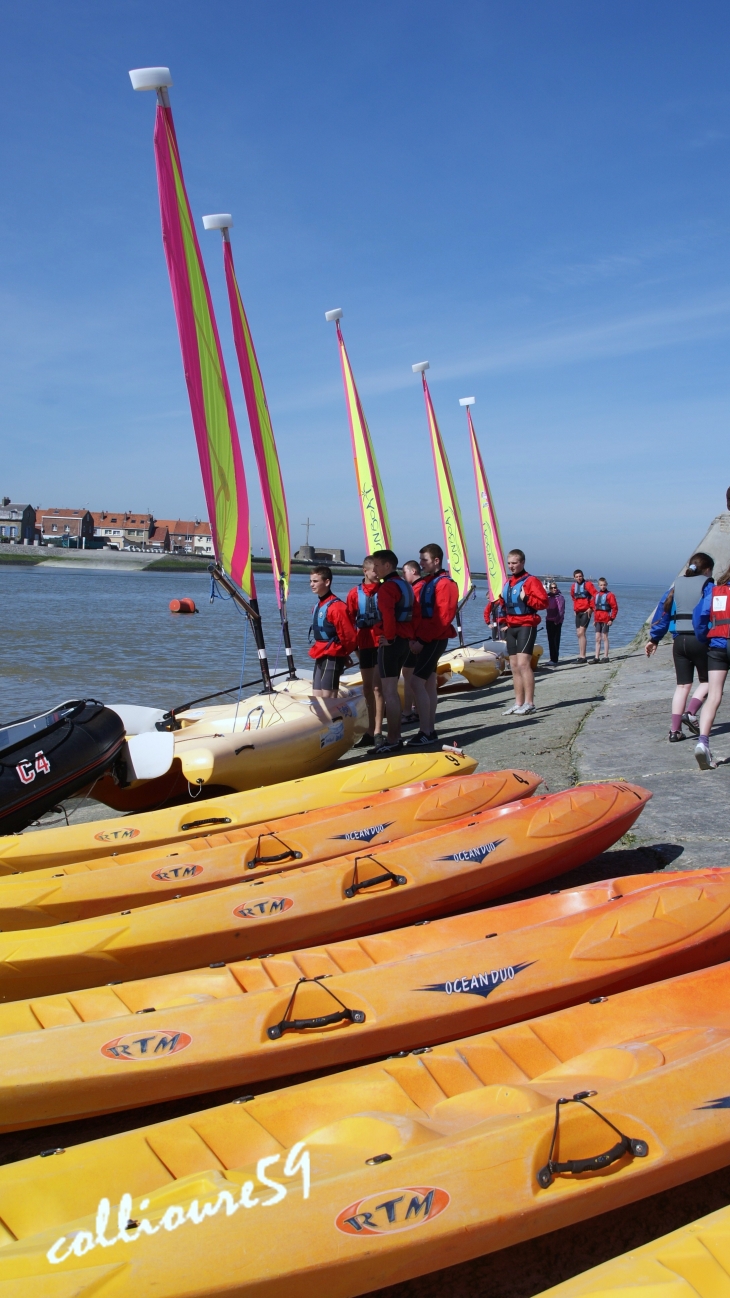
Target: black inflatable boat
(46,758)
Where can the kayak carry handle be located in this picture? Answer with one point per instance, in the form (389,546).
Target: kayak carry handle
(358,885)
(212,820)
(595,1163)
(287,1024)
(287,855)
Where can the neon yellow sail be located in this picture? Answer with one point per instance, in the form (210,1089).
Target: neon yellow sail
(455,545)
(491,537)
(370,489)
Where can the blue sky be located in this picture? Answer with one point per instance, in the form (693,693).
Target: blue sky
(533,195)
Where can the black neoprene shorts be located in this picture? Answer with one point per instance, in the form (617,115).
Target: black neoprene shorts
(368,657)
(583,619)
(391,657)
(424,663)
(689,654)
(327,672)
(520,639)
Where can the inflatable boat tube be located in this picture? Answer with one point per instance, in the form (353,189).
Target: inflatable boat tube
(52,896)
(347,1183)
(173,824)
(433,873)
(46,758)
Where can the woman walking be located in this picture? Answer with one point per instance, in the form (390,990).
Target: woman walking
(554,621)
(674,614)
(711,621)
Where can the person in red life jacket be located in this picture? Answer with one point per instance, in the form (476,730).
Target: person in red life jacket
(395,602)
(522,596)
(711,623)
(437,598)
(605,609)
(362,606)
(582,593)
(411,570)
(332,633)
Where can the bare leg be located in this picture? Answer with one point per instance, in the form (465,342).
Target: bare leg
(598,642)
(392,707)
(409,702)
(714,698)
(523,677)
(426,693)
(679,699)
(374,699)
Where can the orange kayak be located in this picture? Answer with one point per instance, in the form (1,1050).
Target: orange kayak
(113,837)
(347,1183)
(323,1008)
(438,871)
(57,895)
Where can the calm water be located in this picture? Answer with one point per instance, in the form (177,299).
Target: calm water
(110,636)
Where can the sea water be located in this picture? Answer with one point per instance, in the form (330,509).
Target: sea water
(71,633)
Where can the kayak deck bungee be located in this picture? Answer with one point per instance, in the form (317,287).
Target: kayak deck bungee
(391,1170)
(219,980)
(691,1262)
(54,896)
(302,1013)
(171,824)
(435,872)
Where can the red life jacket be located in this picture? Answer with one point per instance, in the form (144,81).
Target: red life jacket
(720,613)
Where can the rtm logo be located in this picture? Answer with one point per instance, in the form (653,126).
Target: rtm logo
(117,835)
(392,1211)
(27,769)
(263,908)
(172,872)
(364,835)
(147,1046)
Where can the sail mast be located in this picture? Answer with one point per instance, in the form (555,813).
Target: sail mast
(262,435)
(211,407)
(454,540)
(376,525)
(491,536)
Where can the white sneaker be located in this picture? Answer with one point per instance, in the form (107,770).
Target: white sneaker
(705,760)
(525,710)
(508,711)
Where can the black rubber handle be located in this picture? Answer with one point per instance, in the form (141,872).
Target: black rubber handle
(397,879)
(323,1021)
(288,855)
(574,1166)
(214,820)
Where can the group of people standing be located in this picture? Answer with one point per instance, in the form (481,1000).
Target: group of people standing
(400,624)
(696,613)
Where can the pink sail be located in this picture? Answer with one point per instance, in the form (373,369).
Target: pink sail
(214,422)
(493,552)
(262,433)
(370,489)
(454,543)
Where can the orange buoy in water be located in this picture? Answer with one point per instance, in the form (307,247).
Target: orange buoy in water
(182,606)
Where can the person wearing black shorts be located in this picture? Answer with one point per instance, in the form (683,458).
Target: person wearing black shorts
(437,601)
(521,599)
(674,614)
(332,632)
(582,593)
(395,603)
(362,606)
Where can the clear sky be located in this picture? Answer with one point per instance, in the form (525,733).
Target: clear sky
(532,194)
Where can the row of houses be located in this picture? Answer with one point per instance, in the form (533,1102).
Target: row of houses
(24,524)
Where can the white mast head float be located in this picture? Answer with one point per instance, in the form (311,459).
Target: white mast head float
(219,221)
(467,401)
(158,79)
(333,315)
(420,367)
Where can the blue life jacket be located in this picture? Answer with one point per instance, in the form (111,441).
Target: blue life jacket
(515,603)
(601,602)
(580,591)
(368,613)
(427,593)
(322,628)
(404,605)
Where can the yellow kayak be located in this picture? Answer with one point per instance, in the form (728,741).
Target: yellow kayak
(692,1262)
(56,896)
(347,1183)
(171,824)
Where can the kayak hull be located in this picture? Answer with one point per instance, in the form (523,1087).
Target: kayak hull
(389,1171)
(433,873)
(174,824)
